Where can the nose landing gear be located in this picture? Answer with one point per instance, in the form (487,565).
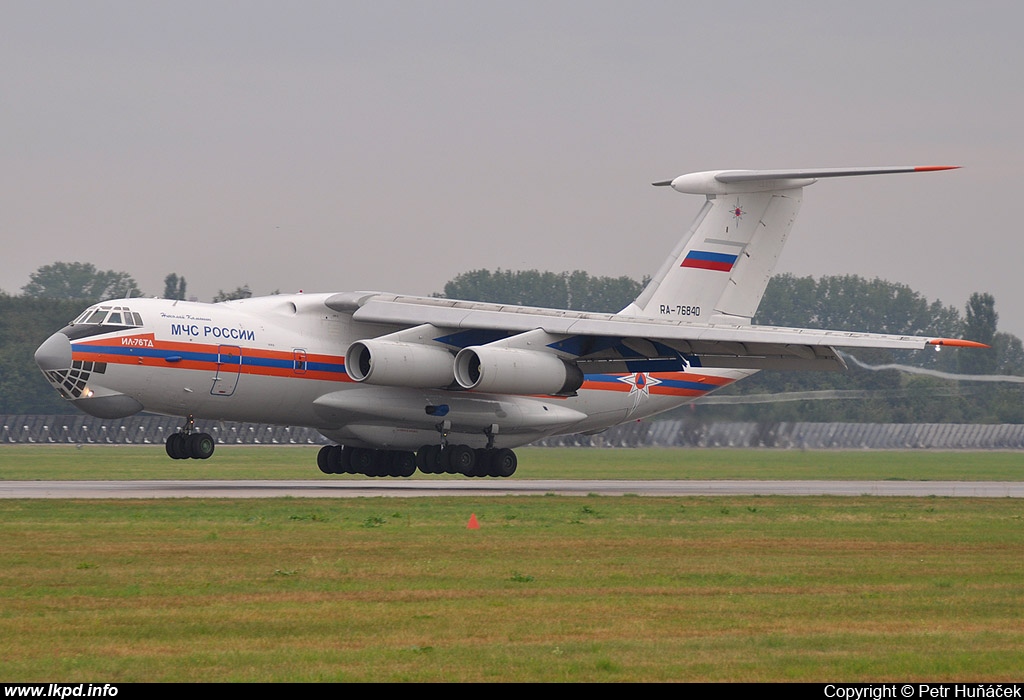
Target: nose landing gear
(187,444)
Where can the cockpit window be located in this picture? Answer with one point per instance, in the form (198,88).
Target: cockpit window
(109,316)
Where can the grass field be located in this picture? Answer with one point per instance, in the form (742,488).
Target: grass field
(45,462)
(549,588)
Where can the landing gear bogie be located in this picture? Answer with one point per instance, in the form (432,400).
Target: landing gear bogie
(429,459)
(461,459)
(336,459)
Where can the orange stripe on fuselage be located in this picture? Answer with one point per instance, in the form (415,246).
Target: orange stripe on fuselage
(144,350)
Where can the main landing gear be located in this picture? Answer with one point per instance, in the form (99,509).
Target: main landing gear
(438,458)
(430,459)
(187,444)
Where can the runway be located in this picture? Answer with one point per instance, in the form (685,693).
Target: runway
(411,488)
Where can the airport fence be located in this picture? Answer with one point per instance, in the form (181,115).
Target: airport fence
(145,430)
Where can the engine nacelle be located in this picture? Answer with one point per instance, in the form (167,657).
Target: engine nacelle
(391,363)
(513,371)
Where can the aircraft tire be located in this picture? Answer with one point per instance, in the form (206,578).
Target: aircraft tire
(200,446)
(323,459)
(383,460)
(444,464)
(461,459)
(364,461)
(483,459)
(175,446)
(503,463)
(403,464)
(428,459)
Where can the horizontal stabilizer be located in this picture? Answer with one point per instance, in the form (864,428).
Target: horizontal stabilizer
(736,181)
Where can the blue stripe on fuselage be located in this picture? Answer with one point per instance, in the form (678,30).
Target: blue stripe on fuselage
(210,357)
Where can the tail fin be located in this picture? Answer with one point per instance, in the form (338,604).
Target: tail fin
(719,270)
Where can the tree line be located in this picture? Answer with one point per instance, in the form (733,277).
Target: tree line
(84,282)
(57,293)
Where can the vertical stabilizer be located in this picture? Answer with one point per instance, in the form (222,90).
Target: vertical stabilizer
(719,270)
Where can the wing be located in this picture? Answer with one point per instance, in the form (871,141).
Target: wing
(613,342)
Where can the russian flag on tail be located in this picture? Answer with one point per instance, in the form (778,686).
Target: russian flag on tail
(705,260)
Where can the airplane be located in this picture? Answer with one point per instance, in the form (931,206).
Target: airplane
(399,383)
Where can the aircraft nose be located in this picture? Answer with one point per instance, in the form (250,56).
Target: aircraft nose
(54,353)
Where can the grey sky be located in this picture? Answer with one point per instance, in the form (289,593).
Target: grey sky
(329,146)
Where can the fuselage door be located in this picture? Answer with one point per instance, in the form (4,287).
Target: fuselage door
(299,361)
(229,364)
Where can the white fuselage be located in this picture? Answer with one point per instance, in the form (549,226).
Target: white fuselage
(281,360)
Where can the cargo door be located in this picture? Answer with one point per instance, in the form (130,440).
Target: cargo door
(229,365)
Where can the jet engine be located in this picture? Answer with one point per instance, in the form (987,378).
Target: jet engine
(513,371)
(391,363)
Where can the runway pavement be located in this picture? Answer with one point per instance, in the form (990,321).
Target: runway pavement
(369,488)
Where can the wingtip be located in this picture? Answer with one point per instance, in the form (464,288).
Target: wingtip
(957,343)
(933,168)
